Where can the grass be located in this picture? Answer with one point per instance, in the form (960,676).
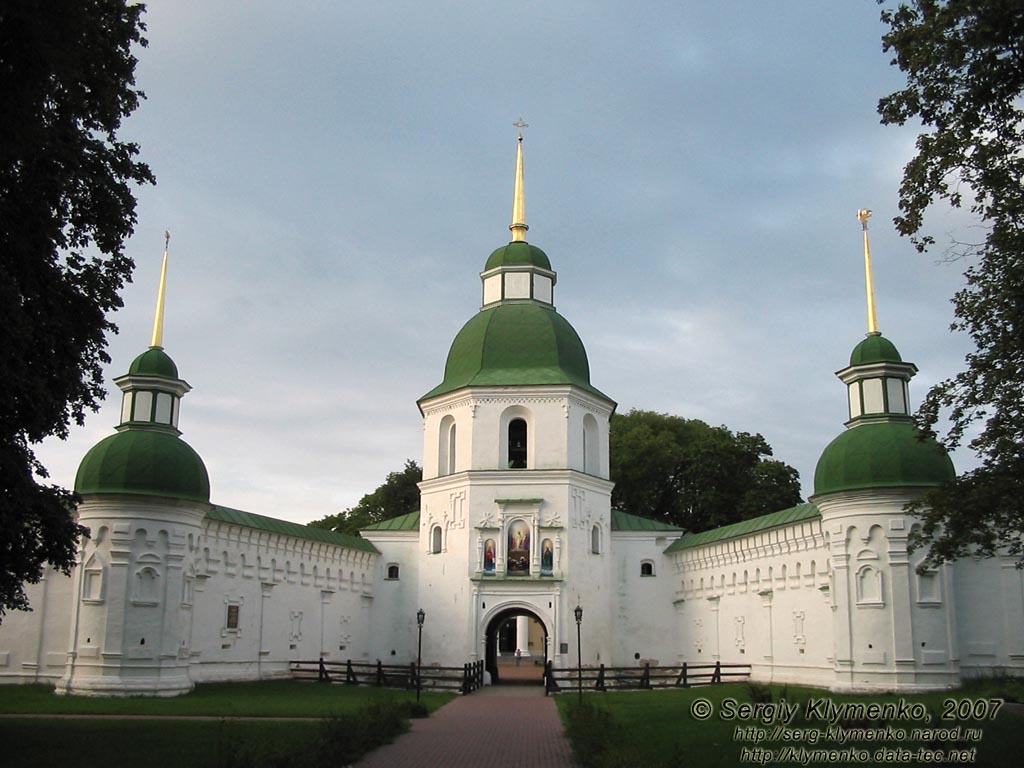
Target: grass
(655,729)
(123,744)
(351,721)
(277,698)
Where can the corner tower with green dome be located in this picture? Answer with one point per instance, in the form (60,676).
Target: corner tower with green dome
(516,491)
(887,632)
(145,493)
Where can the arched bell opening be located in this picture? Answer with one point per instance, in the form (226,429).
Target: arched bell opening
(503,637)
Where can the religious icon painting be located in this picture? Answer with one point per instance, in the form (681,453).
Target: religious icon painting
(519,548)
(489,550)
(547,558)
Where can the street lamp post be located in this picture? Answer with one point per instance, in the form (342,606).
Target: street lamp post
(579,654)
(420,616)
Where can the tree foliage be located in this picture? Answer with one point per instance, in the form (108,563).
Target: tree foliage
(399,494)
(964,63)
(692,475)
(67,79)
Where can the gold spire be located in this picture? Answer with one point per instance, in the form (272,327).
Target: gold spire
(518,225)
(158,320)
(864,214)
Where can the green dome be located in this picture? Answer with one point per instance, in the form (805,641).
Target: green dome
(146,462)
(883,454)
(153,362)
(875,349)
(518,254)
(516,344)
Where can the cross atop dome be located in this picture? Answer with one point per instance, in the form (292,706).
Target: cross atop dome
(863,215)
(518,225)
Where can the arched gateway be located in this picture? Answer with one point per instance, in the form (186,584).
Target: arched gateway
(500,628)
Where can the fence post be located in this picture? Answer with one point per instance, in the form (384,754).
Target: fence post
(645,680)
(350,675)
(322,675)
(599,685)
(412,676)
(681,680)
(465,678)
(717,677)
(380,674)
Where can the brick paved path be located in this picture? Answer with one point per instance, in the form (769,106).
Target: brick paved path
(502,726)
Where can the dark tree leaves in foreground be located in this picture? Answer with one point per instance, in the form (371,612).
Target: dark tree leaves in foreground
(684,472)
(399,494)
(67,79)
(964,62)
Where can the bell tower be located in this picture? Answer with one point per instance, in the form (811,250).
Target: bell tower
(515,511)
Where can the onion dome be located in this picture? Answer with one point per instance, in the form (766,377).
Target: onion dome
(517,338)
(153,362)
(147,456)
(516,344)
(882,455)
(881,447)
(144,462)
(875,349)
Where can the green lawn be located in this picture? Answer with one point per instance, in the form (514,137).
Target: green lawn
(357,719)
(278,698)
(658,728)
(151,743)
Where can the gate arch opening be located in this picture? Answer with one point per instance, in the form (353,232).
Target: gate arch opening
(500,642)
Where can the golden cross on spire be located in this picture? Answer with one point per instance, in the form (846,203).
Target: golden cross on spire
(863,215)
(520,125)
(158,319)
(518,225)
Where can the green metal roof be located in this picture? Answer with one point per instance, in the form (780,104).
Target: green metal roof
(516,344)
(153,362)
(407,522)
(746,527)
(623,521)
(145,462)
(286,528)
(882,454)
(875,349)
(518,254)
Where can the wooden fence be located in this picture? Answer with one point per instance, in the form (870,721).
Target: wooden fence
(464,679)
(604,678)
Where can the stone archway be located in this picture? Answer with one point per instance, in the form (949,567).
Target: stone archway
(492,630)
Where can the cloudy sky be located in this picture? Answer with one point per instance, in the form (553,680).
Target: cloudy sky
(335,174)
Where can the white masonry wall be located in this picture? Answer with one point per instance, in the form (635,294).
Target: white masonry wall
(296,600)
(761,599)
(34,644)
(643,621)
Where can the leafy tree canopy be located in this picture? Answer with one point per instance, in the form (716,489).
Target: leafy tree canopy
(964,63)
(397,495)
(692,475)
(67,79)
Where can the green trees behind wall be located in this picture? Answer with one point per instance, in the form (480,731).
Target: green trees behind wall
(687,473)
(397,495)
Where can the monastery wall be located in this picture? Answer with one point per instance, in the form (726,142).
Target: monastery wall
(762,599)
(643,584)
(34,644)
(989,614)
(393,631)
(264,599)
